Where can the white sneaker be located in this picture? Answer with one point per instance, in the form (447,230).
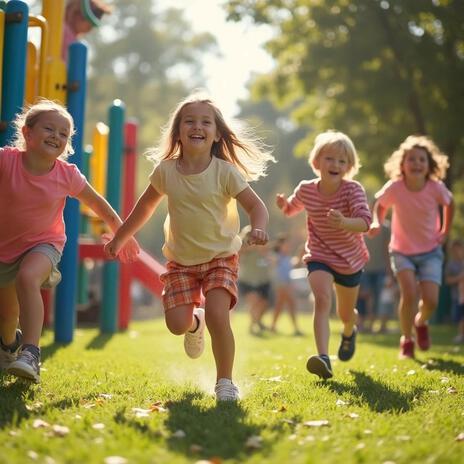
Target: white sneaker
(194,342)
(226,391)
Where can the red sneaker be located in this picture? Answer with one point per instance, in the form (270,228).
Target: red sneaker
(423,338)
(406,348)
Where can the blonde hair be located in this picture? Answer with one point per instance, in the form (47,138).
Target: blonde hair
(438,161)
(29,117)
(239,147)
(341,143)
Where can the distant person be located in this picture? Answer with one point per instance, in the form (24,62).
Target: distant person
(337,215)
(387,302)
(202,168)
(254,282)
(35,180)
(454,277)
(284,291)
(372,280)
(80,17)
(415,192)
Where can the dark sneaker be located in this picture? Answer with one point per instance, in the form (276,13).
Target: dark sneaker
(423,337)
(406,348)
(320,365)
(8,355)
(347,346)
(27,366)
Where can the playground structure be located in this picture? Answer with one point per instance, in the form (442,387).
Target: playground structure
(29,71)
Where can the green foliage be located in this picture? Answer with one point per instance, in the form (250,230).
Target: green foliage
(377,408)
(378,70)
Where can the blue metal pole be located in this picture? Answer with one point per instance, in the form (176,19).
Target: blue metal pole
(65,302)
(14,66)
(110,302)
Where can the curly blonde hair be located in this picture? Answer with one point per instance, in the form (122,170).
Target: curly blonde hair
(339,142)
(29,117)
(239,146)
(438,161)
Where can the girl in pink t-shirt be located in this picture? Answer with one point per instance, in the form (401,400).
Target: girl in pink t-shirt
(35,180)
(415,193)
(337,215)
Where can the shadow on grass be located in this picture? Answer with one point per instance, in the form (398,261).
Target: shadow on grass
(379,396)
(220,431)
(443,365)
(14,395)
(99,341)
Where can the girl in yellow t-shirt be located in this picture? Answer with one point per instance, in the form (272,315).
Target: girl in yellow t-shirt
(202,166)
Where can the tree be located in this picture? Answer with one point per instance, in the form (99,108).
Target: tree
(376,69)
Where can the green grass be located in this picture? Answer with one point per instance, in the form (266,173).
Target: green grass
(379,409)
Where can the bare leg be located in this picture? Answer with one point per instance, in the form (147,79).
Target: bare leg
(321,284)
(408,301)
(222,338)
(34,270)
(428,302)
(9,314)
(346,301)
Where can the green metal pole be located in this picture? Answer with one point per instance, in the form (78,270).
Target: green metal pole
(110,303)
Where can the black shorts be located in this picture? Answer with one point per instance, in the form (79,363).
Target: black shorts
(263,290)
(345,280)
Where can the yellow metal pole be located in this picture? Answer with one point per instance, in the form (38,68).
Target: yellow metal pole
(32,74)
(55,72)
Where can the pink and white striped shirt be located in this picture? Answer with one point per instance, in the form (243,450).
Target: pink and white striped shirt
(343,251)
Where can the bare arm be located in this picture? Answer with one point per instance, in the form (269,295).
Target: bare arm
(378,216)
(100,206)
(258,214)
(448,213)
(142,211)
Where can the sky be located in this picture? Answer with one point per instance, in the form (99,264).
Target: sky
(241,47)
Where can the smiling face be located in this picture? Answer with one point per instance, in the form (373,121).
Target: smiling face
(48,136)
(332,164)
(415,164)
(197,129)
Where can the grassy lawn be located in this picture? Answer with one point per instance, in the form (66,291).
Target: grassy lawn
(136,396)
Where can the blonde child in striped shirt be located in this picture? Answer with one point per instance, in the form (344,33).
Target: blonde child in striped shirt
(335,253)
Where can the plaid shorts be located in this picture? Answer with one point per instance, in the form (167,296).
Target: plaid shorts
(184,284)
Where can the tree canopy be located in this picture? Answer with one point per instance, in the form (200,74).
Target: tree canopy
(377,69)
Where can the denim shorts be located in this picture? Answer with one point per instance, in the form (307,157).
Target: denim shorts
(427,266)
(8,271)
(345,280)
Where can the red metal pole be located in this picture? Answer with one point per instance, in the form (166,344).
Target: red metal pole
(128,201)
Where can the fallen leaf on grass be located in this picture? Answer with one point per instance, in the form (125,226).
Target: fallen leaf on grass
(33,455)
(35,406)
(353,415)
(451,390)
(460,437)
(60,430)
(340,402)
(317,423)
(39,423)
(281,409)
(411,372)
(157,407)
(403,438)
(115,460)
(139,412)
(98,426)
(254,442)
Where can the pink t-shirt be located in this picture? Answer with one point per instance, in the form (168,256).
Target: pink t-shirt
(415,220)
(343,251)
(31,207)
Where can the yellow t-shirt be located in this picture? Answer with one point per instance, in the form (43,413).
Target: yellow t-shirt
(202,221)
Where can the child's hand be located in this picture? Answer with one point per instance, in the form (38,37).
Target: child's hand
(113,249)
(281,201)
(336,219)
(256,237)
(374,230)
